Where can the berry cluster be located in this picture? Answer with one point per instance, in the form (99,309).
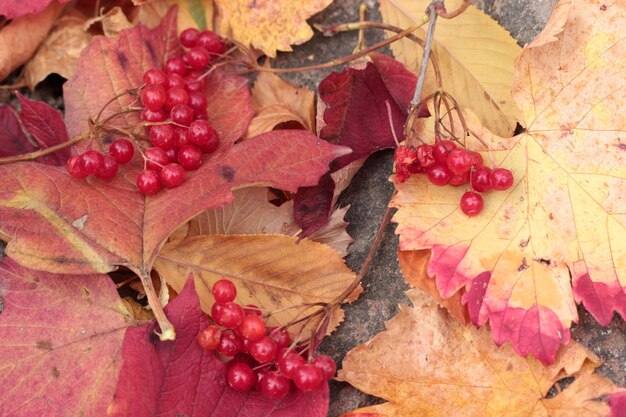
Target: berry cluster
(262,358)
(96,163)
(444,163)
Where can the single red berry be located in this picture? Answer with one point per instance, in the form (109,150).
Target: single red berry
(229,315)
(425,155)
(212,42)
(480,179)
(189,37)
(439,174)
(181,114)
(180,136)
(200,132)
(108,169)
(174,81)
(252,309)
(252,328)
(172,175)
(209,338)
(459,161)
(240,377)
(153,116)
(176,96)
(197,101)
(280,336)
(224,291)
(307,377)
(289,363)
(190,157)
(460,179)
(153,97)
(163,136)
(477,159)
(91,161)
(172,155)
(194,82)
(264,350)
(500,179)
(471,203)
(230,344)
(198,58)
(274,386)
(201,115)
(122,150)
(441,150)
(326,364)
(176,65)
(148,182)
(213,143)
(156,159)
(402,174)
(75,169)
(154,77)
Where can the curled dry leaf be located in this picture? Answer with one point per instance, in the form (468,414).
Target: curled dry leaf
(270,271)
(112,22)
(434,366)
(475,56)
(60,342)
(268,25)
(556,236)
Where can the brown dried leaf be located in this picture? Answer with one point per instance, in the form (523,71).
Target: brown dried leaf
(113,22)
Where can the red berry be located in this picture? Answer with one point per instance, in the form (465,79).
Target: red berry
(230,344)
(153,116)
(202,115)
(176,65)
(180,136)
(200,132)
(274,386)
(181,114)
(224,291)
(108,169)
(212,42)
(90,161)
(174,81)
(425,156)
(229,315)
(477,159)
(197,102)
(252,328)
(190,157)
(75,169)
(500,179)
(439,174)
(194,82)
(162,136)
(471,203)
(264,350)
(148,182)
(240,377)
(326,364)
(459,161)
(172,155)
(209,338)
(154,76)
(153,97)
(289,363)
(213,143)
(280,336)
(122,150)
(460,179)
(198,58)
(156,159)
(175,96)
(480,179)
(307,377)
(189,37)
(172,175)
(442,149)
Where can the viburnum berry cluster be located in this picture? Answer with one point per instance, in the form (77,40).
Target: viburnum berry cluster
(174,111)
(261,358)
(444,163)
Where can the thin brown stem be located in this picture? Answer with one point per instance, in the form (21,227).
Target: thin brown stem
(360,42)
(36,154)
(425,57)
(167,330)
(443,13)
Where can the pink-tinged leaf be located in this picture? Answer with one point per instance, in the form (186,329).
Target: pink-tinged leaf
(13,139)
(364,109)
(180,378)
(600,298)
(60,342)
(16,8)
(617,403)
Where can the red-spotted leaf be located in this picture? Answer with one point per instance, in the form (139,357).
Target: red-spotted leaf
(364,108)
(16,8)
(180,378)
(60,341)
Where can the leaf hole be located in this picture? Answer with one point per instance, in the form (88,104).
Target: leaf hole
(559,386)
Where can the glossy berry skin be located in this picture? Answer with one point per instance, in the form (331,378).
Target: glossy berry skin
(176,96)
(122,150)
(477,159)
(156,159)
(263,350)
(153,97)
(75,169)
(439,174)
(213,143)
(181,114)
(108,169)
(471,203)
(307,377)
(172,155)
(460,179)
(442,149)
(500,179)
(154,77)
(189,37)
(148,182)
(480,179)
(200,132)
(326,364)
(289,363)
(209,338)
(180,137)
(212,42)
(280,336)
(174,81)
(90,161)
(240,377)
(252,328)
(230,344)
(224,291)
(163,136)
(274,386)
(190,157)
(197,102)
(172,175)
(198,58)
(229,315)
(176,65)
(459,161)
(194,83)
(153,116)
